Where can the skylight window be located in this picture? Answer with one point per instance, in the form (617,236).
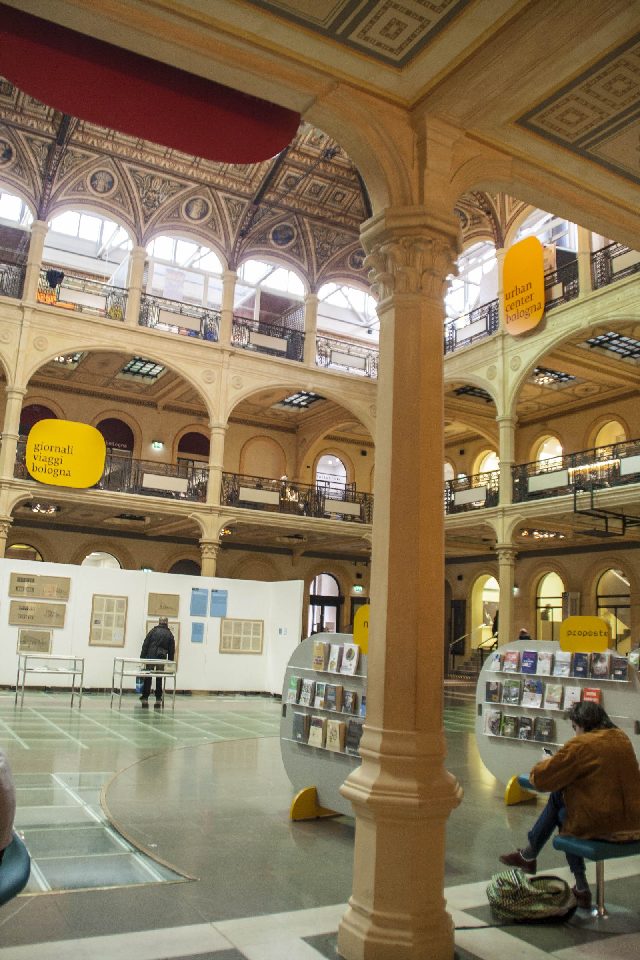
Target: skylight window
(625,347)
(14,210)
(476,392)
(269,275)
(544,377)
(300,400)
(138,367)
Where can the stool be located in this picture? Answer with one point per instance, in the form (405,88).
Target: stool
(14,869)
(598,851)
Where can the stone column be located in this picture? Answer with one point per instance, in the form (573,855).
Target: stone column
(39,230)
(402,794)
(209,553)
(506,580)
(225,334)
(584,261)
(217,434)
(137,259)
(310,328)
(506,450)
(11,431)
(5,528)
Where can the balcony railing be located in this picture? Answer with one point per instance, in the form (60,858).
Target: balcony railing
(465,494)
(173,316)
(333,353)
(334,502)
(610,466)
(561,285)
(274,339)
(59,289)
(473,326)
(11,280)
(613,263)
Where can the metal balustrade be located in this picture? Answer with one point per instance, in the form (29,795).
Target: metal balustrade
(613,262)
(11,280)
(479,323)
(464,494)
(274,339)
(174,316)
(613,465)
(59,289)
(561,285)
(328,501)
(337,354)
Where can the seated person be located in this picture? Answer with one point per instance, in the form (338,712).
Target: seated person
(7,804)
(595,784)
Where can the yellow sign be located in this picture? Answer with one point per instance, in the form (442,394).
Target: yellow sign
(64,453)
(361,628)
(523,285)
(585,634)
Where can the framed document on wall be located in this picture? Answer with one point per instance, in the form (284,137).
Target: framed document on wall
(34,641)
(108,621)
(163,605)
(241,636)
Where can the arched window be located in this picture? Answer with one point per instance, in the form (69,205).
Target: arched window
(194,447)
(271,296)
(88,244)
(22,551)
(609,433)
(331,474)
(485,601)
(32,414)
(118,436)
(100,559)
(325,605)
(549,451)
(549,607)
(345,310)
(559,237)
(448,471)
(475,283)
(613,597)
(486,462)
(184,270)
(188,568)
(14,210)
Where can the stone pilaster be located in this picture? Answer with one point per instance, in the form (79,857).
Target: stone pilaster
(217,434)
(506,580)
(229,278)
(585,282)
(506,450)
(5,528)
(135,279)
(10,431)
(39,230)
(310,328)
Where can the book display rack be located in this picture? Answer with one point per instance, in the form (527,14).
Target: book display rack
(324,698)
(526,687)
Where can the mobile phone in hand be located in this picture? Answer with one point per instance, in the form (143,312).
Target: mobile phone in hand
(547,752)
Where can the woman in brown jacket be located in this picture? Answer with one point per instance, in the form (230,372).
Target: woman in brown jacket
(595,784)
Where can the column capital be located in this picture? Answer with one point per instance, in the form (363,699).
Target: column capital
(506,553)
(209,549)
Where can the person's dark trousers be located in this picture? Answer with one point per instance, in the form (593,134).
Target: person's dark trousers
(146,687)
(550,820)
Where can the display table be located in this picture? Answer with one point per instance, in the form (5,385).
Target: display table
(138,666)
(50,665)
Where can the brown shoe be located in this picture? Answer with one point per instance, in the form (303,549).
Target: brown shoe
(517,860)
(583,898)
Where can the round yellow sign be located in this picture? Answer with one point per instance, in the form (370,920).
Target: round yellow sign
(65,453)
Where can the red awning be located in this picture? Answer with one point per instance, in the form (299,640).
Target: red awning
(124,91)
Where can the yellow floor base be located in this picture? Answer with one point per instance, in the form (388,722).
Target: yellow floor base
(304,806)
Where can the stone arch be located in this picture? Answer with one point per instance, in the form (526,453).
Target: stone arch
(277,453)
(254,568)
(114,546)
(128,419)
(180,231)
(64,204)
(185,431)
(341,455)
(601,421)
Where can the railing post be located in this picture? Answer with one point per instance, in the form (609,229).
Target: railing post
(10,431)
(310,328)
(39,230)
(229,278)
(137,259)
(585,282)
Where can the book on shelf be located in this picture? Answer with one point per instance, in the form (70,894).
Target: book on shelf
(293,689)
(553,696)
(363,705)
(545,662)
(300,726)
(511,690)
(318,700)
(532,692)
(495,662)
(352,739)
(509,726)
(320,655)
(336,731)
(335,658)
(572,694)
(492,721)
(634,658)
(543,728)
(307,693)
(592,694)
(580,665)
(562,664)
(600,666)
(493,691)
(525,728)
(511,661)
(529,661)
(350,658)
(619,668)
(350,701)
(333,696)
(317,731)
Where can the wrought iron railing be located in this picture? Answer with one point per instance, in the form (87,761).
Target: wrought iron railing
(334,353)
(561,285)
(329,501)
(173,316)
(480,323)
(476,492)
(11,280)
(612,263)
(59,289)
(613,465)
(274,339)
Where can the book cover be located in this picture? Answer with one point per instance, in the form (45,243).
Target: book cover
(495,662)
(619,668)
(318,700)
(511,691)
(545,662)
(352,741)
(300,729)
(525,728)
(529,661)
(335,658)
(492,721)
(336,730)
(333,697)
(553,696)
(317,731)
(350,658)
(543,728)
(562,663)
(307,693)
(572,695)
(532,692)
(592,694)
(363,705)
(634,658)
(493,691)
(600,666)
(320,655)
(511,661)
(580,665)
(293,689)
(350,701)
(509,726)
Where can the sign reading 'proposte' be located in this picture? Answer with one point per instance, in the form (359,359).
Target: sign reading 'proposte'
(65,453)
(523,284)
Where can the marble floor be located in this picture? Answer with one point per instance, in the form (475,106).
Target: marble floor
(200,795)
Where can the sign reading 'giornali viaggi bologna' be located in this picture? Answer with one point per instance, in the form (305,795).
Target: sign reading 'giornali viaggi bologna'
(65,453)
(523,286)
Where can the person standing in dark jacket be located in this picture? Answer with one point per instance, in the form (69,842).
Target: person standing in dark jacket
(159,644)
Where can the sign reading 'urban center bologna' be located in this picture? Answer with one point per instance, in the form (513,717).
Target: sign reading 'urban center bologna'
(64,453)
(523,284)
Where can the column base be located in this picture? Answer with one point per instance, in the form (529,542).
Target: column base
(385,936)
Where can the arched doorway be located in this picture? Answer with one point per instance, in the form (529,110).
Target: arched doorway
(331,474)
(485,600)
(613,598)
(33,413)
(325,605)
(100,559)
(22,551)
(188,568)
(549,607)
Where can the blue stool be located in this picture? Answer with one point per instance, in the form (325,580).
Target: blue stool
(598,851)
(14,869)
